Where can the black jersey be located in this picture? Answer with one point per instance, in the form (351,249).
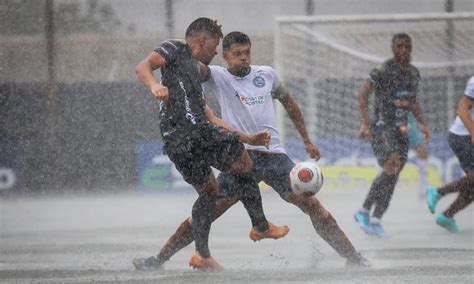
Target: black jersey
(182,115)
(393,84)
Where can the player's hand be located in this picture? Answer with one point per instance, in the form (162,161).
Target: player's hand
(261,138)
(426,132)
(312,150)
(160,92)
(365,132)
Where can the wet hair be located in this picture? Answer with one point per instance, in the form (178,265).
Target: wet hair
(204,25)
(235,37)
(401,36)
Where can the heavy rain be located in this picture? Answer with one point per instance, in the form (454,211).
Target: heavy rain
(89,194)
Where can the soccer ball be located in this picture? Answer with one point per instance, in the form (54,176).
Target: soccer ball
(306,178)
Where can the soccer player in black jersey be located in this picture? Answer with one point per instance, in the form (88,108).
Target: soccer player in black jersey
(194,138)
(395,84)
(270,164)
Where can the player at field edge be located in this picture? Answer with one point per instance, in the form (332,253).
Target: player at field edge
(461,141)
(246,95)
(395,84)
(194,138)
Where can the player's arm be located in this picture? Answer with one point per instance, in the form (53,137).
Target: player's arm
(418,114)
(363,98)
(296,116)
(144,71)
(464,111)
(261,138)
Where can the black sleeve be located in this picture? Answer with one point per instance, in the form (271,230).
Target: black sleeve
(169,50)
(376,75)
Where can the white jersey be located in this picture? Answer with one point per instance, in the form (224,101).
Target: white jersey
(458,126)
(246,103)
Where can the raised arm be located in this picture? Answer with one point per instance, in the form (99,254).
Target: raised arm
(464,111)
(261,138)
(297,118)
(363,98)
(144,71)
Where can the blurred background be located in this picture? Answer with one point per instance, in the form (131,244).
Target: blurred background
(74,118)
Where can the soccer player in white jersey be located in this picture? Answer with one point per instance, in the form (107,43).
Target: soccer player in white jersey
(246,96)
(461,140)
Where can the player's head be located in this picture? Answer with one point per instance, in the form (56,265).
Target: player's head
(236,51)
(401,48)
(203,36)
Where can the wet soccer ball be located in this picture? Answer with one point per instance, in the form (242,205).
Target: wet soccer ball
(306,178)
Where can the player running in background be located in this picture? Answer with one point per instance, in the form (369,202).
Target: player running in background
(246,96)
(461,140)
(190,140)
(416,142)
(395,84)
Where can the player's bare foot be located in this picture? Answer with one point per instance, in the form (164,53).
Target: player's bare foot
(273,232)
(207,264)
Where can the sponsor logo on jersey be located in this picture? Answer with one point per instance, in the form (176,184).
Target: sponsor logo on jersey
(251,101)
(258,81)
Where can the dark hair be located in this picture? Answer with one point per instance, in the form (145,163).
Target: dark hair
(401,36)
(204,25)
(235,37)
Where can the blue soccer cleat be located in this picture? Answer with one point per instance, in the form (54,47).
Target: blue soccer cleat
(378,230)
(362,218)
(432,197)
(447,223)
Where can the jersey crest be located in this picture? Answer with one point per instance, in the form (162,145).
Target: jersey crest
(259,81)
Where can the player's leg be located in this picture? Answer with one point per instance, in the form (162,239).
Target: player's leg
(381,147)
(465,187)
(194,163)
(274,170)
(182,237)
(240,180)
(384,192)
(464,150)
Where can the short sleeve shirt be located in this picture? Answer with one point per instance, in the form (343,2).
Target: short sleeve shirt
(392,83)
(246,103)
(458,126)
(184,112)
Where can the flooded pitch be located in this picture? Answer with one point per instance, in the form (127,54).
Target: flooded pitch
(94,238)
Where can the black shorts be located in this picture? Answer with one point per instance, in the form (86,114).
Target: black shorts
(464,150)
(194,155)
(388,140)
(272,168)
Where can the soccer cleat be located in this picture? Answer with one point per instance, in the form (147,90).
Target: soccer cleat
(207,264)
(273,232)
(447,223)
(151,263)
(357,260)
(377,230)
(362,218)
(432,197)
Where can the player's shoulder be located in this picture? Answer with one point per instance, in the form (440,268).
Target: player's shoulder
(263,68)
(383,67)
(414,70)
(470,82)
(218,71)
(175,44)
(470,88)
